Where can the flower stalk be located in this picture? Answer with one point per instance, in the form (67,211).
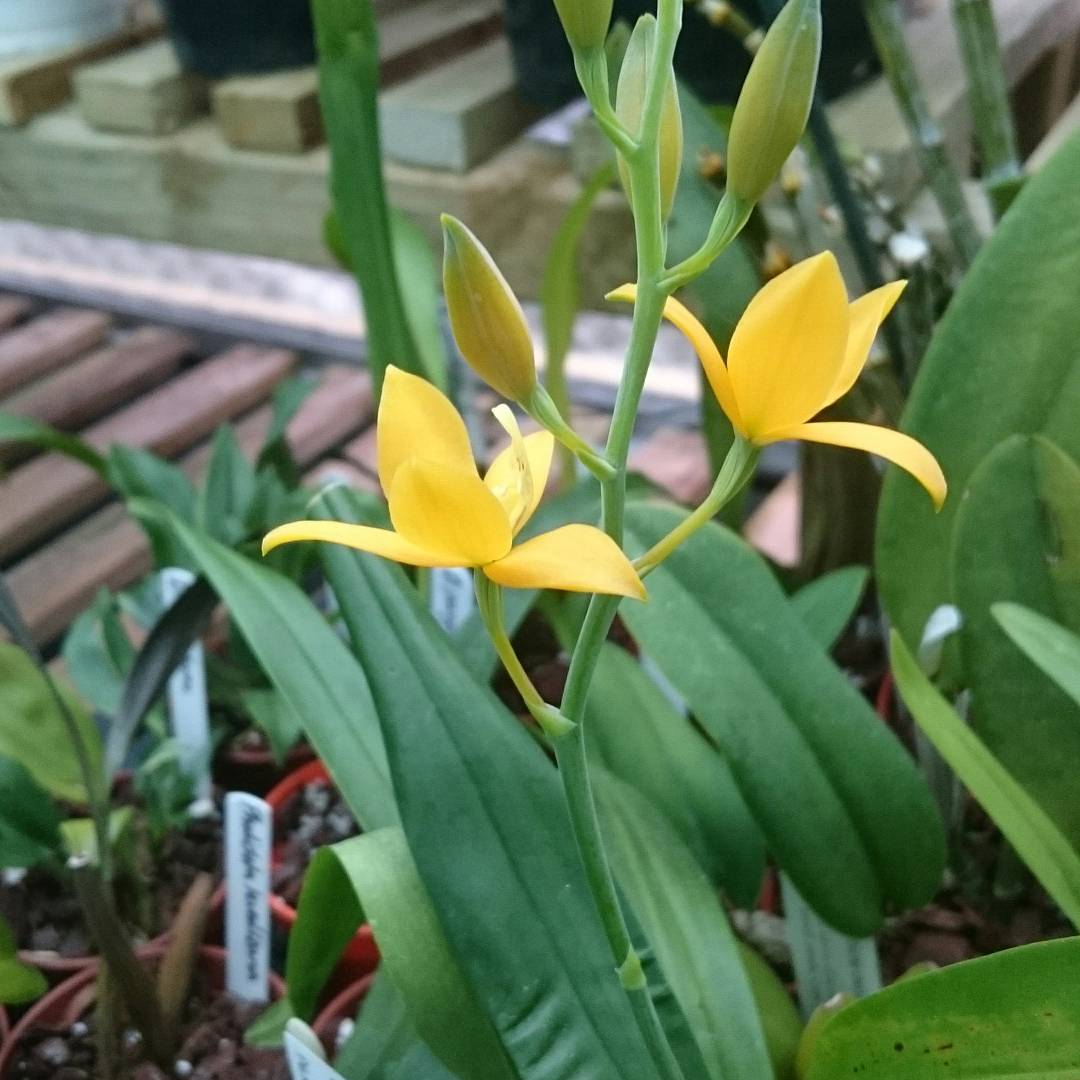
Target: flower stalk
(887,30)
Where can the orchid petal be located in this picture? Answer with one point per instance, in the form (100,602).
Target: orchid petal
(574,558)
(443,508)
(894,446)
(788,349)
(416,420)
(361,537)
(866,314)
(501,477)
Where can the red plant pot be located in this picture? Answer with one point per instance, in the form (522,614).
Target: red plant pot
(65,1003)
(341,1007)
(361,955)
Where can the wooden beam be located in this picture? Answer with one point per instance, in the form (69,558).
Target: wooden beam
(34,350)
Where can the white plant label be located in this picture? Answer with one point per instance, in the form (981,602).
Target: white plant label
(304,1063)
(826,962)
(451,597)
(248,835)
(186,695)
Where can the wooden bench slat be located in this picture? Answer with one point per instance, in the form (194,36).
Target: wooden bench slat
(53,585)
(51,490)
(44,344)
(12,310)
(98,383)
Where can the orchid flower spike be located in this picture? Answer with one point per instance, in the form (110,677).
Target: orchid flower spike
(444,514)
(799,347)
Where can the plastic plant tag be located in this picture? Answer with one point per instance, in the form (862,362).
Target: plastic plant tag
(304,1062)
(826,962)
(248,834)
(186,695)
(451,597)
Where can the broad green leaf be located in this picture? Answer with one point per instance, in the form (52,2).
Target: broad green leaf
(95,667)
(382,1033)
(1037,840)
(688,929)
(1017,538)
(23,429)
(275,718)
(1050,647)
(486,823)
(1005,360)
(839,801)
(828,603)
(305,660)
(33,730)
(639,737)
(780,1020)
(19,983)
(29,821)
(418,271)
(348,57)
(227,491)
(374,877)
(1009,1016)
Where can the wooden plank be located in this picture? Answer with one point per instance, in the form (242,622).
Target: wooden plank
(142,91)
(45,493)
(98,382)
(30,85)
(13,309)
(676,460)
(775,528)
(279,112)
(456,115)
(340,471)
(54,584)
(38,348)
(363,452)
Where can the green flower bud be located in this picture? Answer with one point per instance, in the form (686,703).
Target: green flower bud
(488,323)
(630,103)
(773,107)
(585,22)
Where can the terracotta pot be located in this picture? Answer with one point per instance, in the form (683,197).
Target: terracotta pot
(64,1004)
(253,769)
(361,955)
(343,1006)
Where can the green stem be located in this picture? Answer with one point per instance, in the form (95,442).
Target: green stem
(738,467)
(990,107)
(886,27)
(592,73)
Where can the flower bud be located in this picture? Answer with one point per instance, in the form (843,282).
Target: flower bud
(488,323)
(585,22)
(773,107)
(630,104)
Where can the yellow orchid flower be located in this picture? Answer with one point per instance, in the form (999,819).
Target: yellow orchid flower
(799,347)
(444,514)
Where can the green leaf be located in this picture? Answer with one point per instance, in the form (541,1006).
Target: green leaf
(275,455)
(1017,538)
(382,1033)
(687,926)
(486,823)
(29,821)
(23,429)
(1004,360)
(639,737)
(226,494)
(137,473)
(1008,1016)
(19,983)
(32,728)
(165,646)
(828,603)
(374,876)
(1050,647)
(275,718)
(779,1018)
(841,804)
(1036,838)
(418,269)
(305,660)
(348,58)
(94,663)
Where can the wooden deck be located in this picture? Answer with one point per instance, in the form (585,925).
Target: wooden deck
(62,535)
